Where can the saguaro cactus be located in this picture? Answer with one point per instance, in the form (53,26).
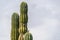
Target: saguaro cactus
(15,26)
(19,29)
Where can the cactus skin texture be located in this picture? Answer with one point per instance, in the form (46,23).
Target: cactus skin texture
(23,18)
(15,26)
(21,37)
(23,13)
(23,29)
(28,36)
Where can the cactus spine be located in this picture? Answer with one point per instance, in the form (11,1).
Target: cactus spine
(15,26)
(19,29)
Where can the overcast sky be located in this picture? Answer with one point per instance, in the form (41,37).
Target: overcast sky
(44,18)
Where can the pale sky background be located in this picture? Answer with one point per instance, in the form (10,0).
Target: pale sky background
(44,18)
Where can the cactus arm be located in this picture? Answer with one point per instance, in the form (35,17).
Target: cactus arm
(15,26)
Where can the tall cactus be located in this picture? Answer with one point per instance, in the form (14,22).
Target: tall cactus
(15,26)
(19,30)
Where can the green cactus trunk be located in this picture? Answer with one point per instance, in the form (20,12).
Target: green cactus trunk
(15,26)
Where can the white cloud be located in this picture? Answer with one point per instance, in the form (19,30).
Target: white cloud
(46,31)
(44,18)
